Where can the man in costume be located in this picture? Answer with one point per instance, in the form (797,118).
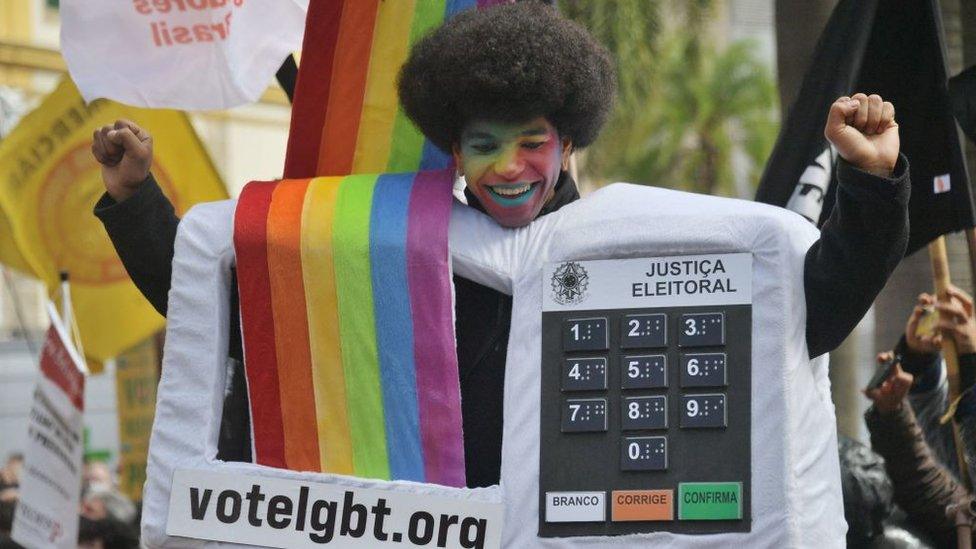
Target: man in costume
(511,91)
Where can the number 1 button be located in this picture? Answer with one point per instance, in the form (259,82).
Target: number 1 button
(585,334)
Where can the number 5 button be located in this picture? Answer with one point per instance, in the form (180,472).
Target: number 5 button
(644,372)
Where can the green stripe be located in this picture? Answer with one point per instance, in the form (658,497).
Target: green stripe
(357,327)
(407,147)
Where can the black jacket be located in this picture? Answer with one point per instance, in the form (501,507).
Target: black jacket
(859,247)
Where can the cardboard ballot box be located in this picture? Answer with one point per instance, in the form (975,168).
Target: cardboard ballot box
(658,392)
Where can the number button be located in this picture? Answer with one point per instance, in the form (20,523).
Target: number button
(646,412)
(644,331)
(585,334)
(703,370)
(701,330)
(644,454)
(581,415)
(644,372)
(585,374)
(703,411)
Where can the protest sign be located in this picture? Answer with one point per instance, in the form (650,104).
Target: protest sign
(136,374)
(186,54)
(48,186)
(50,485)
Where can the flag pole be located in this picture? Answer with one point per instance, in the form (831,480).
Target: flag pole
(971,245)
(940,275)
(68,318)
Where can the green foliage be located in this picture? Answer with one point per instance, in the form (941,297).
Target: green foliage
(685,108)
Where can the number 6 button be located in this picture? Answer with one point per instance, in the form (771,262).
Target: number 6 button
(703,370)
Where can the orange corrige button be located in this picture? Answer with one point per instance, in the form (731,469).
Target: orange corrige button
(642,505)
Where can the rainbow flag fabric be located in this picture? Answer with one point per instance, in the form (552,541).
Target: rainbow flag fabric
(346,117)
(346,307)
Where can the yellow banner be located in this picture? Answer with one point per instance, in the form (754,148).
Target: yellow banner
(49,183)
(136,374)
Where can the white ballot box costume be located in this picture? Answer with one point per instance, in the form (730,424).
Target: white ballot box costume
(794,478)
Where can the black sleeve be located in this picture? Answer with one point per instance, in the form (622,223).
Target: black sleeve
(143,231)
(860,245)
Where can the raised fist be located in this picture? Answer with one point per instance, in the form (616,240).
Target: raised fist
(863,130)
(125,152)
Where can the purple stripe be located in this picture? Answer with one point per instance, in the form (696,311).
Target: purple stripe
(428,273)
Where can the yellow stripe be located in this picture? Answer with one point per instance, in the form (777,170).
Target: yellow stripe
(390,42)
(335,444)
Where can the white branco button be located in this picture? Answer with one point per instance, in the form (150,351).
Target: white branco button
(576,507)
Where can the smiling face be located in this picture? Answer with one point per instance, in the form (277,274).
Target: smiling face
(511,168)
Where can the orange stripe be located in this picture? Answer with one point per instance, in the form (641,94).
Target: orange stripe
(349,70)
(291,325)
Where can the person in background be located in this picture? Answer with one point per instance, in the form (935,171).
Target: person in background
(919,452)
(10,472)
(106,533)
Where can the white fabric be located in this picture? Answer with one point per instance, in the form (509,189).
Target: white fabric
(191,389)
(134,51)
(796,496)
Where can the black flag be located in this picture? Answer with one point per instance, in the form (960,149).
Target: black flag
(893,48)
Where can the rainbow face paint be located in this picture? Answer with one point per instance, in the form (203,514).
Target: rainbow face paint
(511,168)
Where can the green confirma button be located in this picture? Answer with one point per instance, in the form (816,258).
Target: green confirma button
(710,501)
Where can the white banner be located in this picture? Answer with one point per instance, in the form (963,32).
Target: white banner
(50,485)
(278,512)
(683,280)
(183,54)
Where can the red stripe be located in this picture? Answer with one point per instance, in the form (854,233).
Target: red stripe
(312,88)
(345,108)
(257,322)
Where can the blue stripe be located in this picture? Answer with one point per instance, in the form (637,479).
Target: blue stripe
(394,325)
(433,158)
(454,6)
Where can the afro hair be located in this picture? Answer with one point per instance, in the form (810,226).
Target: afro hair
(510,63)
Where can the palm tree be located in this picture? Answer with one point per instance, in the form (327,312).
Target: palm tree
(683,108)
